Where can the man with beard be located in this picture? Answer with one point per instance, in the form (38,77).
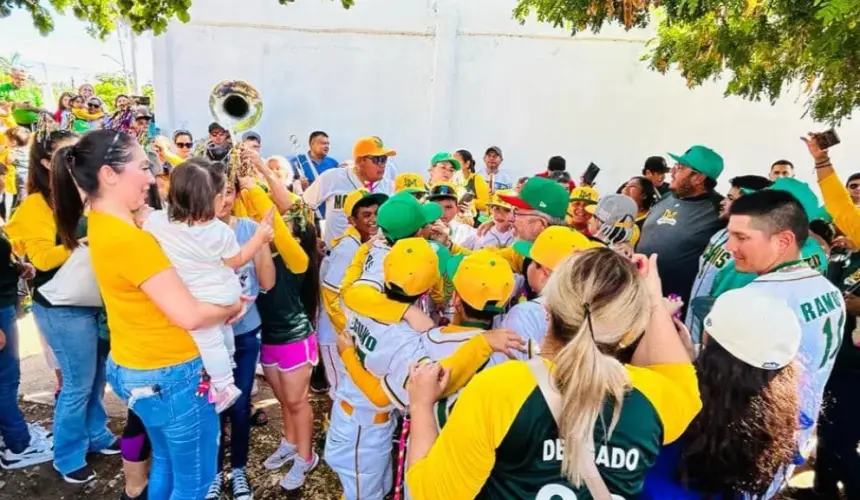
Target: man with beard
(681,224)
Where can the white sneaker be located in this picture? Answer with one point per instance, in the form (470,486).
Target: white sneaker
(295,478)
(225,398)
(255,389)
(41,450)
(35,430)
(285,452)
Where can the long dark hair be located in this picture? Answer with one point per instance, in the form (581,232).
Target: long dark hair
(77,166)
(39,177)
(649,192)
(746,430)
(306,234)
(60,102)
(468,160)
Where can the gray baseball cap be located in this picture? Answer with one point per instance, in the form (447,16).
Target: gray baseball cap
(617,216)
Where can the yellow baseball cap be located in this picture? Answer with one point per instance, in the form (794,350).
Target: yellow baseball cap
(360,194)
(371,146)
(410,182)
(411,267)
(482,279)
(496,201)
(553,245)
(585,193)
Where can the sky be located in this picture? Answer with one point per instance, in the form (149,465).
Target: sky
(69,52)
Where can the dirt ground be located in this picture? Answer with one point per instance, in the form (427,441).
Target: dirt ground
(42,483)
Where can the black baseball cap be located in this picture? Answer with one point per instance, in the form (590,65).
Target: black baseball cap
(215,126)
(655,164)
(494,149)
(251,136)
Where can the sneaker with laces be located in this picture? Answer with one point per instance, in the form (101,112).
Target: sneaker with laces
(286,451)
(241,488)
(295,478)
(83,475)
(216,488)
(225,397)
(39,451)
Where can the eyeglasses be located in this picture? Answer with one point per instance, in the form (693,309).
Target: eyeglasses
(378,160)
(184,145)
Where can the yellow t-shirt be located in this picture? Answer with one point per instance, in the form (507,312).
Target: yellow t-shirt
(124,257)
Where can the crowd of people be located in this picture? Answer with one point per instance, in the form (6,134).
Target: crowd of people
(507,337)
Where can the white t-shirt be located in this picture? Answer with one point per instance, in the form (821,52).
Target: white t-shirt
(332,188)
(501,179)
(491,239)
(460,233)
(198,253)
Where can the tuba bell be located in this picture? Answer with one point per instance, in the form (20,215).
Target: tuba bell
(236,106)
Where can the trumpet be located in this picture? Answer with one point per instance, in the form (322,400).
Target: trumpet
(237,107)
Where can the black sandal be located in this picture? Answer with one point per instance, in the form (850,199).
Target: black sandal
(259,418)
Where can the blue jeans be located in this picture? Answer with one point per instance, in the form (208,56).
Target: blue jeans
(183,428)
(247,350)
(13,427)
(80,420)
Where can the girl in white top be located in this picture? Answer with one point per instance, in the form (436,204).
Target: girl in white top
(205,253)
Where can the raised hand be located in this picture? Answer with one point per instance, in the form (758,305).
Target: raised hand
(505,341)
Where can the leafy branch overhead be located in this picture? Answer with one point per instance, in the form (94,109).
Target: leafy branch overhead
(102,15)
(764,47)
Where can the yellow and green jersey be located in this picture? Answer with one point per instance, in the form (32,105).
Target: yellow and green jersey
(501,441)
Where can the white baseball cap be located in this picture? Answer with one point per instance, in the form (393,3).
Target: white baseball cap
(757,328)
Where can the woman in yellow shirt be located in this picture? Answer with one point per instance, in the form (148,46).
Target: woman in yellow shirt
(575,422)
(72,332)
(154,364)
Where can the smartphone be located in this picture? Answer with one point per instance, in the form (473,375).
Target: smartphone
(467,198)
(590,174)
(141,99)
(827,139)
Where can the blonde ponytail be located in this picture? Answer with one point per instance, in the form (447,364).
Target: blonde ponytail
(595,299)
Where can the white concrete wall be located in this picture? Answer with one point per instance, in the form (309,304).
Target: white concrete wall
(430,75)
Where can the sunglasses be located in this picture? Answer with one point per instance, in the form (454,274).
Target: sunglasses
(92,105)
(378,160)
(184,145)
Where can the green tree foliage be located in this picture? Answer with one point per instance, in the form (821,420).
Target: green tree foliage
(763,48)
(108,86)
(102,15)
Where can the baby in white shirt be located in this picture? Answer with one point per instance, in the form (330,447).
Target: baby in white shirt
(205,253)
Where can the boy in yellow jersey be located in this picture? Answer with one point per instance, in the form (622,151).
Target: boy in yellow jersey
(551,247)
(358,443)
(361,207)
(501,235)
(577,215)
(483,284)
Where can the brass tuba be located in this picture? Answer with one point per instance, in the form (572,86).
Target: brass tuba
(237,107)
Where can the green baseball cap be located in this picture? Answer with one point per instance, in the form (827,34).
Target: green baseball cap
(802,193)
(541,194)
(402,216)
(445,156)
(702,159)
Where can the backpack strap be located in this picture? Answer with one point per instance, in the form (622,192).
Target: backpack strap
(591,476)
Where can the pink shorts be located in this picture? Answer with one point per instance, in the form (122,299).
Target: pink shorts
(289,357)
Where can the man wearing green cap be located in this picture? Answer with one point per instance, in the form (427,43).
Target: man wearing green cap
(682,223)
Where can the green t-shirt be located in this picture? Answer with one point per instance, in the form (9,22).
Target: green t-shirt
(31,94)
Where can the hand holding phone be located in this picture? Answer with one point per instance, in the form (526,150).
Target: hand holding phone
(827,139)
(590,174)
